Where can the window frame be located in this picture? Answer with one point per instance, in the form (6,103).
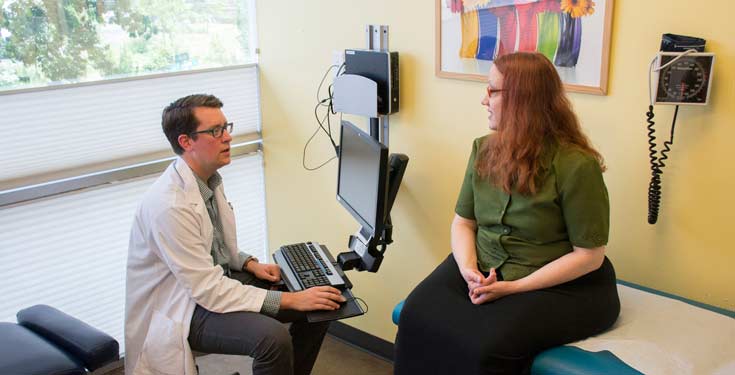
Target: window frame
(242,144)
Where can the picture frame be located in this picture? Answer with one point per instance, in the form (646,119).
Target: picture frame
(573,34)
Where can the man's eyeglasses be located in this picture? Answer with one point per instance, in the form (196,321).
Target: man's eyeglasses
(491,90)
(216,131)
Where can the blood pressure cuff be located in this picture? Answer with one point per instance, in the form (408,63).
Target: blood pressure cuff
(681,43)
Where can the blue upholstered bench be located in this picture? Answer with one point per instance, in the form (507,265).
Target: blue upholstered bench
(656,333)
(48,341)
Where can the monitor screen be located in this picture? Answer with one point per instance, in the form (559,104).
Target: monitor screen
(362,180)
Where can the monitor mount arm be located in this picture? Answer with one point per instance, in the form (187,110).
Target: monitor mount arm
(366,252)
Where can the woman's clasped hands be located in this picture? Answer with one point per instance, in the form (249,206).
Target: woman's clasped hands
(485,289)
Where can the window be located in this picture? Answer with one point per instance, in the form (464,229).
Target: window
(45,43)
(82,87)
(70,251)
(74,130)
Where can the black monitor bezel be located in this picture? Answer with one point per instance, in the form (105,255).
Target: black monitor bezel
(376,228)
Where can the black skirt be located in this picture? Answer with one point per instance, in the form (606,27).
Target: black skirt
(442,332)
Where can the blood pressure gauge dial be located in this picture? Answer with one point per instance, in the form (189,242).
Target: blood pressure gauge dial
(686,81)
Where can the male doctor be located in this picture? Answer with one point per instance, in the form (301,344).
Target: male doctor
(188,285)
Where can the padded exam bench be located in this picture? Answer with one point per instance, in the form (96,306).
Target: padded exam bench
(47,341)
(656,333)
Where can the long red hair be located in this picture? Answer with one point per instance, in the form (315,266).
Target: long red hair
(535,116)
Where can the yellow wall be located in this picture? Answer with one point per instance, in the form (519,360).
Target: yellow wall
(689,252)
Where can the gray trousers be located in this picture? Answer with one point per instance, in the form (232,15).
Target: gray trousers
(275,348)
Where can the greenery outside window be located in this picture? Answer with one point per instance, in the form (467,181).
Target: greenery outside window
(52,42)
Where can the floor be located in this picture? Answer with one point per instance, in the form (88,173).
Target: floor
(336,357)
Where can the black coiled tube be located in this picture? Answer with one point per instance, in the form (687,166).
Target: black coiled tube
(654,187)
(657,164)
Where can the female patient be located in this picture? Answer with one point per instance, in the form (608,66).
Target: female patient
(528,269)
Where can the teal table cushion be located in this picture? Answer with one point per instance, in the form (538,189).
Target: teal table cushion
(570,360)
(397,312)
(639,329)
(567,360)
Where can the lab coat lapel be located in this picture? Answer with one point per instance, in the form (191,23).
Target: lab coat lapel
(194,197)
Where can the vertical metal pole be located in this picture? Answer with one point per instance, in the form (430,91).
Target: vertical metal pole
(375,128)
(377,38)
(384,130)
(382,37)
(369,36)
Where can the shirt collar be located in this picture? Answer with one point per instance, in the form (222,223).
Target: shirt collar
(207,189)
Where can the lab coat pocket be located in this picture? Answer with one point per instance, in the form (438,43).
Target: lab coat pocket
(163,349)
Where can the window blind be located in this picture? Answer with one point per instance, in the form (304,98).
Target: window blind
(64,132)
(70,251)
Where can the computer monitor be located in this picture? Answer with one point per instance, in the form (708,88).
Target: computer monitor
(367,185)
(362,182)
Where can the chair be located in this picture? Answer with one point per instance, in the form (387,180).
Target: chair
(48,341)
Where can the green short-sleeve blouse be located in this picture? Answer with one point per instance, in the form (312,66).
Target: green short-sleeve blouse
(518,234)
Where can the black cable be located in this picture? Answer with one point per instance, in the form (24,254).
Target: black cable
(330,110)
(668,143)
(358,299)
(303,154)
(321,123)
(319,89)
(654,187)
(657,164)
(326,102)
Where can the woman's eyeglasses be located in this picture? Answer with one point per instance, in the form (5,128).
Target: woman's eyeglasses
(491,90)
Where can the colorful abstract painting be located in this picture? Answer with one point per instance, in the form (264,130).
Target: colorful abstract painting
(573,34)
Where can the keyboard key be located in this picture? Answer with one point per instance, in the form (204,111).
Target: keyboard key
(310,268)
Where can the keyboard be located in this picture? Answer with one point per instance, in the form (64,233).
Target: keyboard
(307,264)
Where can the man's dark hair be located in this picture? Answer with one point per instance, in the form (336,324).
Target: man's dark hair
(178,118)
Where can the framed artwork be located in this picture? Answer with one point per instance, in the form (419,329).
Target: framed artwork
(573,34)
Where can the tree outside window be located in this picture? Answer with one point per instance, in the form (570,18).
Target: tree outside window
(52,42)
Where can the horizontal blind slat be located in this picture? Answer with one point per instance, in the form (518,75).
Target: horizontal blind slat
(93,124)
(70,251)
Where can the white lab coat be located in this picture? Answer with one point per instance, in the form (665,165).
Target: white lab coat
(170,270)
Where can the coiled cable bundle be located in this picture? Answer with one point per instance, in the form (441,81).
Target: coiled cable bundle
(657,164)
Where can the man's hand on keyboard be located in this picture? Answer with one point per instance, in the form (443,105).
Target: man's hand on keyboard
(264,271)
(316,298)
